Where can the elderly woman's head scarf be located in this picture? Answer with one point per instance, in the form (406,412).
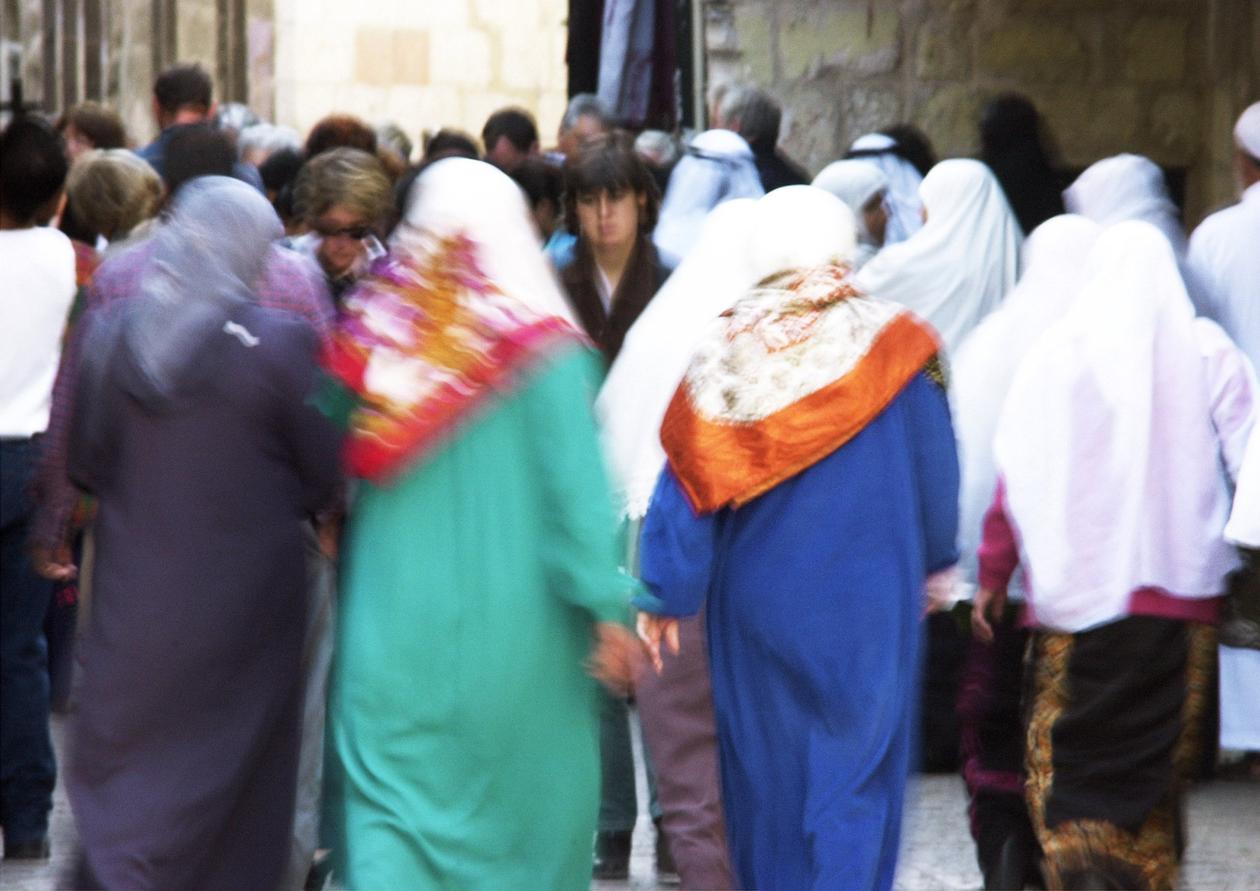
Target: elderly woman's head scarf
(1127,187)
(206,259)
(1106,443)
(958,267)
(796,367)
(855,183)
(904,179)
(717,167)
(742,242)
(462,306)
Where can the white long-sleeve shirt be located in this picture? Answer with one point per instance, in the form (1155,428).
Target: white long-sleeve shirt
(1224,259)
(37,288)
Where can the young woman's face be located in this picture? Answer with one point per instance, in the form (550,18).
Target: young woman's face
(610,219)
(343,234)
(875,215)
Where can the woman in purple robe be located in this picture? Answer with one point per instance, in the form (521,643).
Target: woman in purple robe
(194,434)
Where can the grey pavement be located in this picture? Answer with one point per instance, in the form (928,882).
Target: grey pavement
(1223,818)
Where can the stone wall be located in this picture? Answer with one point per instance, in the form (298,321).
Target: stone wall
(418,63)
(1165,78)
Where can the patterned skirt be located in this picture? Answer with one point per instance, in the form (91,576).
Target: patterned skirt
(1115,728)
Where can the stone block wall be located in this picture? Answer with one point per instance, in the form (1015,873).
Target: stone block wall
(418,63)
(1165,78)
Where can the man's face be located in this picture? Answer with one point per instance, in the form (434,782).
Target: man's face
(1248,170)
(586,127)
(504,155)
(875,216)
(342,232)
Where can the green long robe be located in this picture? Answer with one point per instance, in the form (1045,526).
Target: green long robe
(464,729)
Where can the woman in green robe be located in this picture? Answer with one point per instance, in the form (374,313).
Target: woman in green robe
(480,582)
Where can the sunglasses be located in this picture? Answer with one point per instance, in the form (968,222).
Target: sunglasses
(357,233)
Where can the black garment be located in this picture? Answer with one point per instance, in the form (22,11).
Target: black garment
(1032,188)
(1011,144)
(991,720)
(777,169)
(643,277)
(945,654)
(1113,745)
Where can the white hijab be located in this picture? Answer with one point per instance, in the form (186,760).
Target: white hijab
(462,196)
(904,205)
(964,260)
(742,242)
(855,183)
(717,167)
(987,360)
(1106,444)
(1127,187)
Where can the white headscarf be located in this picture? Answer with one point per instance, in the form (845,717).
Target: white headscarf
(1106,444)
(959,266)
(742,242)
(459,195)
(855,183)
(987,360)
(904,179)
(206,258)
(717,167)
(1247,130)
(1126,187)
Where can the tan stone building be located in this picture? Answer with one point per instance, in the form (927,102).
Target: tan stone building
(419,63)
(1161,77)
(1164,78)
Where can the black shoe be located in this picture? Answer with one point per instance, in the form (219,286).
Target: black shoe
(666,871)
(30,850)
(612,856)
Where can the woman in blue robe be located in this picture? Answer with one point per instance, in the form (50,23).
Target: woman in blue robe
(811,487)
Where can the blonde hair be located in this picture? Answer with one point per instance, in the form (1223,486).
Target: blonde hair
(346,176)
(111,191)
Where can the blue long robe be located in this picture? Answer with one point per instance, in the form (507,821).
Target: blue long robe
(814,592)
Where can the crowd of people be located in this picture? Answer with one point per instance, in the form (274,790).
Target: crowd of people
(351,501)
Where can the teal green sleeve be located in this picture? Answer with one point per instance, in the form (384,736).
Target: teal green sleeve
(583,544)
(334,399)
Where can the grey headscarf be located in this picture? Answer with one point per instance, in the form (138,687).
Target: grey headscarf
(206,259)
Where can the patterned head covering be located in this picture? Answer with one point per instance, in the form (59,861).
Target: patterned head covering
(464,302)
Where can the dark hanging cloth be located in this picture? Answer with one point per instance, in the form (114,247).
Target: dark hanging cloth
(643,277)
(663,100)
(581,52)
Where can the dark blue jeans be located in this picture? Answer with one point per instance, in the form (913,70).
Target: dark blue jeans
(27,769)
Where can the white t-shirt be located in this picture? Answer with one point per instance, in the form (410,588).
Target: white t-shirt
(37,288)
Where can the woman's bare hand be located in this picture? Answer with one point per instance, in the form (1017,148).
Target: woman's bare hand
(616,658)
(988,604)
(652,629)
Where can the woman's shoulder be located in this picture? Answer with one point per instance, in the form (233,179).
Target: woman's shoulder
(276,330)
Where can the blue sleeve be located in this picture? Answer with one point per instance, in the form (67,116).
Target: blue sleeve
(936,472)
(676,553)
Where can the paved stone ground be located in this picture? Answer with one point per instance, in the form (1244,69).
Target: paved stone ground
(1224,852)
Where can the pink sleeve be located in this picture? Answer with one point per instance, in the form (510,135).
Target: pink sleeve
(998,554)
